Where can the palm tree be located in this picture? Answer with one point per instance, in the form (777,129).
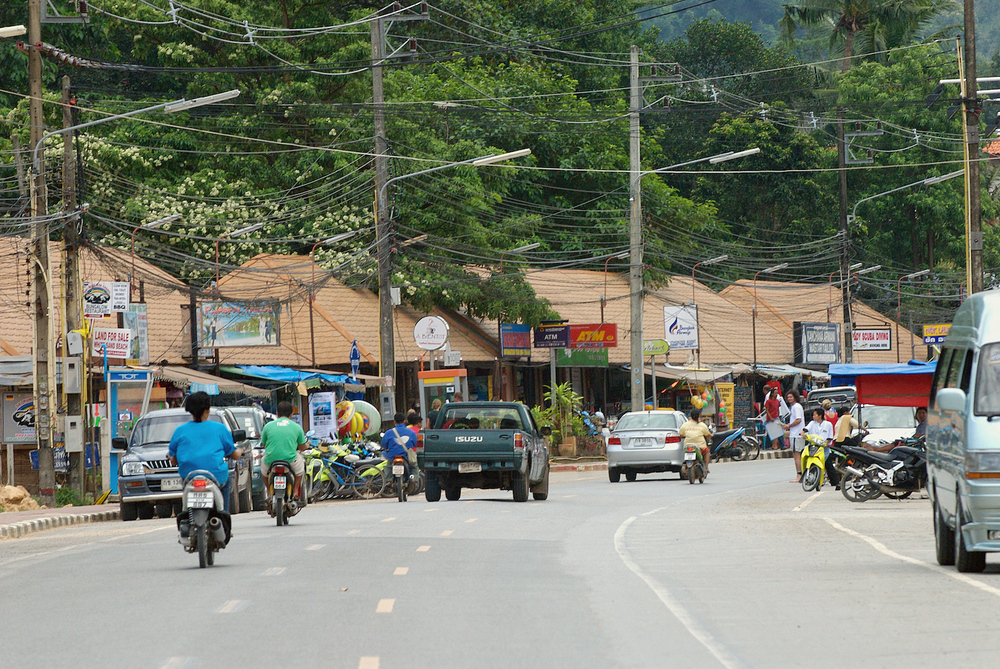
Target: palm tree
(864,25)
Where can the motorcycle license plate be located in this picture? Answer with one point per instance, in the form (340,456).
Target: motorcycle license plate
(469,467)
(397,470)
(280,483)
(690,456)
(200,500)
(171,484)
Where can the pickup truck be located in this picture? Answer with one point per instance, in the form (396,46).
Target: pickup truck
(484,445)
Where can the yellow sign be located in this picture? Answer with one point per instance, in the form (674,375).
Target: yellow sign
(727,394)
(655,347)
(936,330)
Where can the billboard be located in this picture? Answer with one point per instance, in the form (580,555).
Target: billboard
(871,339)
(599,335)
(225,324)
(816,343)
(680,327)
(515,340)
(116,342)
(552,336)
(18,418)
(103,298)
(135,321)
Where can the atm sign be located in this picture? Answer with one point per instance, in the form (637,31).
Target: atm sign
(602,335)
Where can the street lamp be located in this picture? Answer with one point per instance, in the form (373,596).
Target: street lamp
(312,284)
(929,181)
(711,261)
(147,226)
(769,270)
(12,31)
(387,345)
(230,235)
(604,297)
(899,303)
(637,384)
(829,280)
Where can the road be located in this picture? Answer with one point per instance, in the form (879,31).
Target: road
(745,570)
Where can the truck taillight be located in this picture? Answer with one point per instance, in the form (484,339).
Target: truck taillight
(614,441)
(672,439)
(518,442)
(420,440)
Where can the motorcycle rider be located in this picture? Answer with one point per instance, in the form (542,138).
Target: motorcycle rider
(695,433)
(203,444)
(283,439)
(400,440)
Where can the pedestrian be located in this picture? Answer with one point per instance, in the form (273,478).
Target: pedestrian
(695,433)
(829,413)
(772,407)
(457,397)
(846,424)
(794,426)
(432,415)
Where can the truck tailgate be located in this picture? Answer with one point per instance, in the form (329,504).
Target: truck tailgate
(468,446)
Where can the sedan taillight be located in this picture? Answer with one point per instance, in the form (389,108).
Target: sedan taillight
(672,439)
(614,441)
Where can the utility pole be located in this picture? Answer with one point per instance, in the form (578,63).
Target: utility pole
(44,346)
(72,281)
(845,241)
(637,385)
(970,126)
(383,233)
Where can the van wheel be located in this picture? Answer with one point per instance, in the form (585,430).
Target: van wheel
(965,561)
(944,540)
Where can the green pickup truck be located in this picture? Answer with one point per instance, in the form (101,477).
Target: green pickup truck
(484,445)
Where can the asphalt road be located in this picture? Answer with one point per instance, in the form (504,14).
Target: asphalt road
(745,570)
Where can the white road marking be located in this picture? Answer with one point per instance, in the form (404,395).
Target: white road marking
(389,519)
(385,606)
(472,520)
(274,571)
(232,606)
(429,510)
(315,547)
(882,548)
(447,533)
(694,628)
(368,663)
(354,531)
(176,663)
(568,496)
(423,549)
(808,501)
(401,571)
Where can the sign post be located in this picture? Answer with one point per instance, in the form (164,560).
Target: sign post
(355,358)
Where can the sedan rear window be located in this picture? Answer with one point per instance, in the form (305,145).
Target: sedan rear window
(988,381)
(647,421)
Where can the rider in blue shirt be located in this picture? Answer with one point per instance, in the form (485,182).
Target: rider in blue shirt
(203,444)
(399,440)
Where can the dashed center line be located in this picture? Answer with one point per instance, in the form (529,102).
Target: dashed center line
(472,520)
(568,496)
(401,571)
(423,549)
(354,531)
(232,606)
(429,510)
(315,547)
(389,519)
(447,533)
(385,605)
(274,571)
(368,663)
(175,663)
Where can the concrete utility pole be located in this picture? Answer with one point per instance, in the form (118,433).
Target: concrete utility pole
(44,346)
(970,112)
(845,241)
(72,280)
(637,384)
(387,343)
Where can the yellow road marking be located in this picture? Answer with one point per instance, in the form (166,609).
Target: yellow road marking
(388,520)
(472,520)
(385,606)
(274,571)
(401,571)
(232,606)
(315,547)
(368,663)
(447,533)
(423,549)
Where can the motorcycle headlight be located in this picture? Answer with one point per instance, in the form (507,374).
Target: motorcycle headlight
(133,469)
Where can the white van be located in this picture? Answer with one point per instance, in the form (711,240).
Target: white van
(963,437)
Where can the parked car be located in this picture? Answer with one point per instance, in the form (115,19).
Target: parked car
(148,483)
(839,396)
(886,424)
(645,442)
(253,420)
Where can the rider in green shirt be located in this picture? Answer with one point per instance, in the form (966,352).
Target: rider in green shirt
(282,439)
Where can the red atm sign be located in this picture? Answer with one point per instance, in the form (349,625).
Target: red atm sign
(602,335)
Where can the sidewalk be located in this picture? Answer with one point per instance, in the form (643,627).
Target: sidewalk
(600,464)
(15,524)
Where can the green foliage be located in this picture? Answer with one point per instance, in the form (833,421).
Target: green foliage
(564,402)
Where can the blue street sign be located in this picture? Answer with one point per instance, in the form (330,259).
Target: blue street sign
(355,358)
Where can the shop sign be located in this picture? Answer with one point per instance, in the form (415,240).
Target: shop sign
(935,334)
(600,335)
(136,321)
(102,298)
(515,340)
(552,336)
(680,327)
(655,347)
(115,342)
(430,333)
(18,418)
(872,339)
(582,357)
(816,343)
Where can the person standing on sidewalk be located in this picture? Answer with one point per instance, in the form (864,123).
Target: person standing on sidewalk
(772,407)
(796,421)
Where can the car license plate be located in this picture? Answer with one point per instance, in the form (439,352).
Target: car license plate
(279,483)
(689,455)
(469,467)
(200,500)
(171,484)
(397,470)
(642,442)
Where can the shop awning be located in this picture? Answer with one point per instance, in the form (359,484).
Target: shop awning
(777,371)
(290,375)
(696,375)
(19,370)
(903,385)
(194,381)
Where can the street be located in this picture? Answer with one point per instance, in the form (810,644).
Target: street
(745,570)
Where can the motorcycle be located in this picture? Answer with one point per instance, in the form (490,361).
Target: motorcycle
(279,481)
(813,462)
(203,525)
(399,477)
(694,467)
(729,444)
(896,474)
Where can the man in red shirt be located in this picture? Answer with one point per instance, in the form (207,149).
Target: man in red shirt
(772,407)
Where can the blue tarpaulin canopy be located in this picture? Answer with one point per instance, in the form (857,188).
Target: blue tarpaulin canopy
(285,374)
(843,375)
(900,385)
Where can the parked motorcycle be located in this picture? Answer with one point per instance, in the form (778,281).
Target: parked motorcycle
(693,468)
(813,462)
(897,474)
(729,444)
(203,524)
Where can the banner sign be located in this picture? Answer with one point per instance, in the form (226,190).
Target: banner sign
(102,298)
(680,327)
(431,333)
(515,340)
(59,456)
(117,340)
(935,334)
(655,347)
(582,357)
(225,324)
(323,414)
(552,336)
(600,335)
(816,343)
(872,339)
(135,320)
(18,418)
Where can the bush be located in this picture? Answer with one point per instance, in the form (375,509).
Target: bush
(66,496)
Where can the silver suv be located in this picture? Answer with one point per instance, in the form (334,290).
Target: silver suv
(148,483)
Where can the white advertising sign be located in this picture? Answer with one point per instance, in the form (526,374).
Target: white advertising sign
(430,333)
(872,339)
(118,342)
(101,298)
(680,327)
(323,414)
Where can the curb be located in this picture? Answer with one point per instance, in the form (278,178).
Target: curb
(18,530)
(603,466)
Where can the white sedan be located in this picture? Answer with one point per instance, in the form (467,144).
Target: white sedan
(645,442)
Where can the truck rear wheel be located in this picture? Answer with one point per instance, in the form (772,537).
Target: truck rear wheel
(453,492)
(521,486)
(432,489)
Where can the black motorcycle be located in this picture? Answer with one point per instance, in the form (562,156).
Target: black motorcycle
(896,474)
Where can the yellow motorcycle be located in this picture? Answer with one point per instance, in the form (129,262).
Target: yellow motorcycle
(813,462)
